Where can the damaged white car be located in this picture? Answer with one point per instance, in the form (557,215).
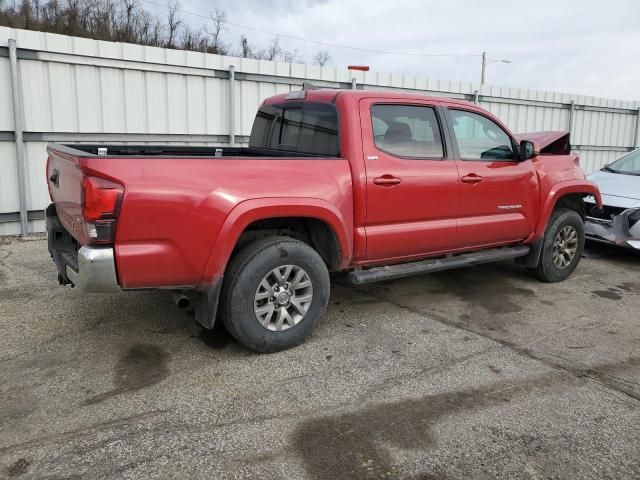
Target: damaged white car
(619,220)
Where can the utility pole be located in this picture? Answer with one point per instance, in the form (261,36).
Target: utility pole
(483,67)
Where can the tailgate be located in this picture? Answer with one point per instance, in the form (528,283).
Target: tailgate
(64,179)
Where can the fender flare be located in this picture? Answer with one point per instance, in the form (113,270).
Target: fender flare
(558,191)
(249,211)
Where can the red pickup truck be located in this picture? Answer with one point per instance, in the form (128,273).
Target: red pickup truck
(380,184)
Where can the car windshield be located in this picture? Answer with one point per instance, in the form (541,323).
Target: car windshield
(629,164)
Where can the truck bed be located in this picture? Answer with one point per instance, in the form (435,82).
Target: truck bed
(172,223)
(174,151)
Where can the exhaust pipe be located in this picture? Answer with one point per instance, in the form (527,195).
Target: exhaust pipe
(180,299)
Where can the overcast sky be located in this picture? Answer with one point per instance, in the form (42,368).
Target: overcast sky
(578,46)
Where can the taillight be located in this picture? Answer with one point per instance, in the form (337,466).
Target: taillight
(101,201)
(46,170)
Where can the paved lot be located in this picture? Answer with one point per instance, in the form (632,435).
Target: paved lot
(476,373)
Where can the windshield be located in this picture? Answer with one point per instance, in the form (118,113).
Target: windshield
(629,164)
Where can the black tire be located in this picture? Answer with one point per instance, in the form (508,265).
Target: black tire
(242,278)
(546,270)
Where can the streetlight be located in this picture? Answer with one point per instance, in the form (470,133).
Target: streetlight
(484,66)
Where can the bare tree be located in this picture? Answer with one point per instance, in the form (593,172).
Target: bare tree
(129,7)
(322,57)
(274,50)
(25,12)
(292,56)
(219,20)
(127,21)
(189,39)
(102,19)
(245,48)
(173,22)
(157,34)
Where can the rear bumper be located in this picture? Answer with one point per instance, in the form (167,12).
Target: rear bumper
(96,271)
(92,269)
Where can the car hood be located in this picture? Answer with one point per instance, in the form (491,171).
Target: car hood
(618,190)
(553,143)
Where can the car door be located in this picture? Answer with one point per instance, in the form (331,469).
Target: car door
(411,181)
(498,192)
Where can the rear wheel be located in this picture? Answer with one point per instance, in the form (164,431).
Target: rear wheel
(562,246)
(274,293)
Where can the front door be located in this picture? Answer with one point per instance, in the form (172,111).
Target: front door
(498,192)
(412,182)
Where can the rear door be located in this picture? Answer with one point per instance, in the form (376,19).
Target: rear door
(498,192)
(412,181)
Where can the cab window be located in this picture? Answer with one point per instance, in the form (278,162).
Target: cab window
(480,138)
(304,127)
(407,131)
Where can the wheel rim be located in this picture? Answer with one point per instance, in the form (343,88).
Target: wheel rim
(565,247)
(283,298)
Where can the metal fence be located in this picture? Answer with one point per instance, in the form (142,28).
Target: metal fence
(55,88)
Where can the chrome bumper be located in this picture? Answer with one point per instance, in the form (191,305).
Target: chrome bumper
(96,271)
(615,231)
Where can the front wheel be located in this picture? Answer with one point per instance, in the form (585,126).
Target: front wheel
(562,246)
(275,291)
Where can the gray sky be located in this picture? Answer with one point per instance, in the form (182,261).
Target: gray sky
(578,46)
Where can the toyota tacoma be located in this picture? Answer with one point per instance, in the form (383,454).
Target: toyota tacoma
(378,184)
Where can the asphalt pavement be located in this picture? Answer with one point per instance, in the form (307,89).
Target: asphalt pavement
(478,373)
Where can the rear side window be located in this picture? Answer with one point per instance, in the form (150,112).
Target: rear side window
(407,131)
(303,127)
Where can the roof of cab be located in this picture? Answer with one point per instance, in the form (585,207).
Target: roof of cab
(330,95)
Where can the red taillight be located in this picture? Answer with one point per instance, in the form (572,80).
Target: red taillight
(46,170)
(100,198)
(100,204)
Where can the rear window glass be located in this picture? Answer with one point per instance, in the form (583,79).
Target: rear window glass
(304,127)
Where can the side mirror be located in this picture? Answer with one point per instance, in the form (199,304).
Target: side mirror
(528,150)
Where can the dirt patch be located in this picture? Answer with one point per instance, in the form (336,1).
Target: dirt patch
(630,287)
(619,291)
(489,296)
(608,294)
(470,285)
(19,467)
(353,445)
(141,365)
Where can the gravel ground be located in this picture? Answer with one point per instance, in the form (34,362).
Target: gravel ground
(476,373)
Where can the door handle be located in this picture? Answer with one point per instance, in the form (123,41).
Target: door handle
(387,180)
(55,177)
(472,178)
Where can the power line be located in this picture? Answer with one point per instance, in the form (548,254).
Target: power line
(324,44)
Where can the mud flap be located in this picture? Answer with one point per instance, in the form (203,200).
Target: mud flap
(207,304)
(531,259)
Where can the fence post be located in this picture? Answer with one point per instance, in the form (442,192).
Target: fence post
(476,97)
(572,111)
(232,105)
(354,83)
(17,128)
(636,140)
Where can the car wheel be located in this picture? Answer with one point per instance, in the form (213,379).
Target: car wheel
(275,292)
(562,246)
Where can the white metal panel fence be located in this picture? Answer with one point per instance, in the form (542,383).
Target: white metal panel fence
(73,89)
